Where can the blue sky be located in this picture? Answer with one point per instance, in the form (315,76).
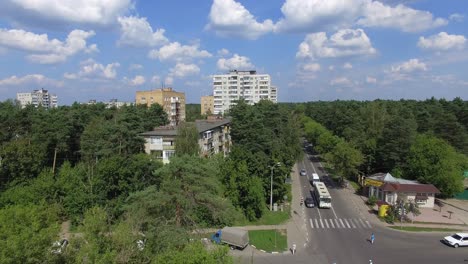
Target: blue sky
(313,49)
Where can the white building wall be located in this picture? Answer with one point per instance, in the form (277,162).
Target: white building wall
(249,85)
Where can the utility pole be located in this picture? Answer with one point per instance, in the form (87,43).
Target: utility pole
(55,158)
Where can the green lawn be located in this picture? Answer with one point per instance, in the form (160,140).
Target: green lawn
(269,240)
(424,229)
(269,218)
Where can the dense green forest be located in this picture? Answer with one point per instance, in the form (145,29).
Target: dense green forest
(421,140)
(85,164)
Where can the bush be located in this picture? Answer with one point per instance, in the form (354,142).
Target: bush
(372,200)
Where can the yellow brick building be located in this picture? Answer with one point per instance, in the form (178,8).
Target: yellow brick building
(171,101)
(207,105)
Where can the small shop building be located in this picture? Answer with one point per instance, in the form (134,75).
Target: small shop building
(390,190)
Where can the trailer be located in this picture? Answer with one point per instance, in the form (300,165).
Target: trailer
(232,236)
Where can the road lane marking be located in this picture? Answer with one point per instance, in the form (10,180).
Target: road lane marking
(341,220)
(318,210)
(352,224)
(331,223)
(311,223)
(321,223)
(347,223)
(367,222)
(316,223)
(337,223)
(362,223)
(333,210)
(326,223)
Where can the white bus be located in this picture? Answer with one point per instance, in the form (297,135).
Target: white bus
(315,179)
(322,195)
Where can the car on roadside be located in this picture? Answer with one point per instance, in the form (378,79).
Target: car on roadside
(309,202)
(303,172)
(457,240)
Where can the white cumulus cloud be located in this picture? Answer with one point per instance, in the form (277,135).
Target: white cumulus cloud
(223,52)
(442,41)
(181,70)
(32,79)
(236,62)
(51,51)
(176,51)
(305,16)
(341,81)
(231,19)
(137,32)
(311,67)
(137,80)
(409,66)
(91,12)
(346,42)
(320,15)
(347,66)
(370,79)
(135,67)
(377,14)
(91,70)
(457,17)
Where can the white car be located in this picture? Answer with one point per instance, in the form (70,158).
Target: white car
(457,240)
(303,172)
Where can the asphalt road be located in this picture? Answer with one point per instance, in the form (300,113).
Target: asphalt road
(341,234)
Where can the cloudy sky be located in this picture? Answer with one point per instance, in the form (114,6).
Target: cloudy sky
(313,49)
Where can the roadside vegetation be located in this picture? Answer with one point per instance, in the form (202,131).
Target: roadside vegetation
(85,164)
(417,140)
(269,240)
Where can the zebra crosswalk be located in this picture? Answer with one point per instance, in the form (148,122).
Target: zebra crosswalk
(344,223)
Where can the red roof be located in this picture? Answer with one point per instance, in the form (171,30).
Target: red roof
(407,188)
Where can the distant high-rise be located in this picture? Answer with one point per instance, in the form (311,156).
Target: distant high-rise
(171,101)
(37,97)
(207,105)
(247,85)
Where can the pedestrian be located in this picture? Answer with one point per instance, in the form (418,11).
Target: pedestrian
(372,238)
(294,249)
(302,201)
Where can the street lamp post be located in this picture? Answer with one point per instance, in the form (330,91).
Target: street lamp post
(271,184)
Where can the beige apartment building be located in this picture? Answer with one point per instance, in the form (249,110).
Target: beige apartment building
(171,101)
(214,136)
(207,105)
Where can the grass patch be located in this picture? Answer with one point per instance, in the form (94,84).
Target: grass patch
(424,229)
(269,218)
(355,185)
(269,240)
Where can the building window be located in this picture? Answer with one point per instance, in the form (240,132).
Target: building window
(156,140)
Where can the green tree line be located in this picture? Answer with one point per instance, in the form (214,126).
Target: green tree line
(420,140)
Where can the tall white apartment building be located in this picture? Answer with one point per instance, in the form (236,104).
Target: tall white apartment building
(36,98)
(252,87)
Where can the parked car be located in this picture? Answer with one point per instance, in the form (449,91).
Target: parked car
(457,240)
(309,202)
(303,172)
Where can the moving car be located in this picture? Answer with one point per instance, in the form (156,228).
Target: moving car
(457,240)
(303,172)
(309,202)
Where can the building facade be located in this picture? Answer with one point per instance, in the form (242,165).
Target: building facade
(112,103)
(390,190)
(247,85)
(207,105)
(38,97)
(214,136)
(171,101)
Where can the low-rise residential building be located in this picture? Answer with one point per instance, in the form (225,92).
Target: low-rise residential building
(111,103)
(391,190)
(37,97)
(214,137)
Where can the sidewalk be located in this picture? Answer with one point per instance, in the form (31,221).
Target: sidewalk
(296,227)
(453,214)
